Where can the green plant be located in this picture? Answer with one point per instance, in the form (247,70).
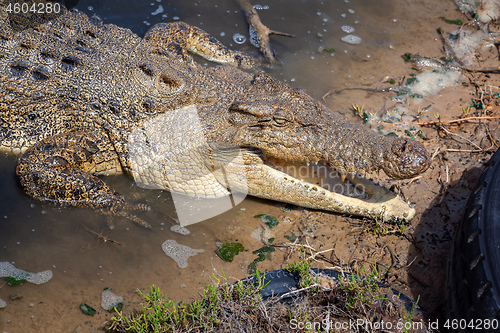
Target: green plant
(303,268)
(362,287)
(217,301)
(408,318)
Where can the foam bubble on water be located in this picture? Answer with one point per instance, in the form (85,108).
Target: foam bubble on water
(259,7)
(431,82)
(9,270)
(158,11)
(110,300)
(180,253)
(2,303)
(347,29)
(180,230)
(41,277)
(351,39)
(239,38)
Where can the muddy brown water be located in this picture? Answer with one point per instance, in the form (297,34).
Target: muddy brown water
(36,236)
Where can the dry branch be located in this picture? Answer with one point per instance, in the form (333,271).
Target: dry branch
(442,122)
(262,31)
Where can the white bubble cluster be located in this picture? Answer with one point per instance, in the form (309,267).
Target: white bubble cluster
(110,300)
(180,253)
(347,29)
(351,39)
(259,7)
(180,230)
(7,269)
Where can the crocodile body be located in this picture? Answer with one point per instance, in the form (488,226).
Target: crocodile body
(78,99)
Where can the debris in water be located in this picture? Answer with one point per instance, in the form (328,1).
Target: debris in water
(87,309)
(269,220)
(228,250)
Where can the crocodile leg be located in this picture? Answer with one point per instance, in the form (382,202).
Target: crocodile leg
(179,37)
(61,169)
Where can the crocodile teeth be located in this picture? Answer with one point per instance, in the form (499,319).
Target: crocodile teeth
(342,173)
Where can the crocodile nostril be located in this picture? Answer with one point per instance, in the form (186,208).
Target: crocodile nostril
(399,147)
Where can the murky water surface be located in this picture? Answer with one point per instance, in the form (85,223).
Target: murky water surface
(36,236)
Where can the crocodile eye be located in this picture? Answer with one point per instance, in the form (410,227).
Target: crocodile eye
(280,121)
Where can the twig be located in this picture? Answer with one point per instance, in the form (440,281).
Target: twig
(262,31)
(451,133)
(470,150)
(413,179)
(440,121)
(299,290)
(355,88)
(412,262)
(102,237)
(448,46)
(435,153)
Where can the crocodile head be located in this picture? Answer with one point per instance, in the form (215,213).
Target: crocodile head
(261,139)
(287,124)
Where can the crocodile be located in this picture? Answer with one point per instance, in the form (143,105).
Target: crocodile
(80,99)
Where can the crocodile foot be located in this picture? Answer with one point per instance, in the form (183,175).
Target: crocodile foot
(58,169)
(179,38)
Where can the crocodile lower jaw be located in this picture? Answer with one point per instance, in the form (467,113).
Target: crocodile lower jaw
(318,186)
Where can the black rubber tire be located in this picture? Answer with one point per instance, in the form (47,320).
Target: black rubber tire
(473,280)
(281,282)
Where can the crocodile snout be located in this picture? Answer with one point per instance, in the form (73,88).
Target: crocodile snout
(405,158)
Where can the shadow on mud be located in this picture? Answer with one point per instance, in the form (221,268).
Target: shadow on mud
(433,240)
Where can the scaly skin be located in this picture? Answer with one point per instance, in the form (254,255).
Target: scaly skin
(79,98)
